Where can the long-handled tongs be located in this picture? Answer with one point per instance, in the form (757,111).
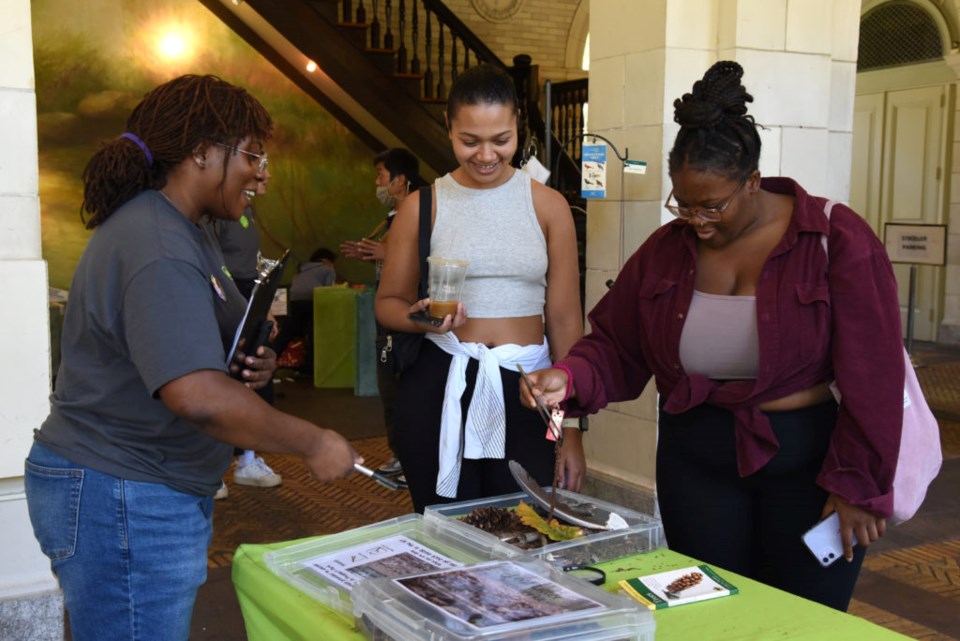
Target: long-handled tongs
(385,481)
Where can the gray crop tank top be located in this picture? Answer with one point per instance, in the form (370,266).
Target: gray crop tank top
(497,232)
(719,338)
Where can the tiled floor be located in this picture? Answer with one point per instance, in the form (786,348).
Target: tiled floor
(910,582)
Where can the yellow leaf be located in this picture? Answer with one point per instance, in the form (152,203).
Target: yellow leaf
(552,530)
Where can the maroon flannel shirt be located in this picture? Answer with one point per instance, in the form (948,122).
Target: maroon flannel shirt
(811,330)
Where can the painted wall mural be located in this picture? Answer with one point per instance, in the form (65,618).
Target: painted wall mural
(96,59)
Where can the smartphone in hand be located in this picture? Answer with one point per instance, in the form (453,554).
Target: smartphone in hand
(423,316)
(823,540)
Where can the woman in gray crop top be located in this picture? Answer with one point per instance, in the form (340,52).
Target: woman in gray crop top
(458,418)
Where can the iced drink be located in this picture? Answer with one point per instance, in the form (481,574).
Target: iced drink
(445,285)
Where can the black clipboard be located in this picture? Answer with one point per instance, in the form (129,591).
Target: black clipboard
(254,329)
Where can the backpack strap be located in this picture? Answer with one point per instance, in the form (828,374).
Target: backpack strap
(426,211)
(827,208)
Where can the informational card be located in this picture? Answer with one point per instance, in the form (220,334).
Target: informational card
(677,587)
(390,557)
(593,169)
(495,593)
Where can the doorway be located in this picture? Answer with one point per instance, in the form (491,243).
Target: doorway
(899,175)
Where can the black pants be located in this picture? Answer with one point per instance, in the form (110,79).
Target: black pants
(751,525)
(417,414)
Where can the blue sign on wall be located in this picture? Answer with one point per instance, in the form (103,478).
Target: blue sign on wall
(593,171)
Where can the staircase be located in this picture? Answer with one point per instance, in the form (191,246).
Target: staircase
(396,60)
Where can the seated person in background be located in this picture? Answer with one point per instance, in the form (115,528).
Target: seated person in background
(319,271)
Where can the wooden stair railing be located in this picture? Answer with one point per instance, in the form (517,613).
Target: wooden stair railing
(307,26)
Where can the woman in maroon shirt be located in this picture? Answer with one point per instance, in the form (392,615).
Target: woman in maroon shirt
(752,448)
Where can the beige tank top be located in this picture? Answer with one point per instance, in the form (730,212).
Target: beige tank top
(497,232)
(719,338)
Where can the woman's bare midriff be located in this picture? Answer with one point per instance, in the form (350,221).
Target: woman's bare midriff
(493,332)
(804,398)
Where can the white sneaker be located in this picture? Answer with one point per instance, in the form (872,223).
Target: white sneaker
(222,493)
(257,474)
(391,467)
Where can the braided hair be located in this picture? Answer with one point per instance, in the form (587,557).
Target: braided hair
(163,130)
(716,134)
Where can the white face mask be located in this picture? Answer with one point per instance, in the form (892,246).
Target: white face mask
(385,197)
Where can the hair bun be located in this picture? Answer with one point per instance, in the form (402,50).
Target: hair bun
(717,96)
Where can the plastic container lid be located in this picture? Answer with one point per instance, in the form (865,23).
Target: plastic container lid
(494,601)
(643,532)
(327,568)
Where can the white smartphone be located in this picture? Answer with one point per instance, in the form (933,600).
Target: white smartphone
(823,540)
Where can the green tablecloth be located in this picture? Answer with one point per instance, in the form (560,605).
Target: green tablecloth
(274,611)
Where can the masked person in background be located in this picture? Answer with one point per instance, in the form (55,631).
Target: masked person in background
(143,421)
(398,176)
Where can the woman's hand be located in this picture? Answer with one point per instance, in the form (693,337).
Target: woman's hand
(550,384)
(255,371)
(331,457)
(573,463)
(854,521)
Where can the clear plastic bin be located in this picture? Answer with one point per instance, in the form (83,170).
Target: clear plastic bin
(496,601)
(643,532)
(323,569)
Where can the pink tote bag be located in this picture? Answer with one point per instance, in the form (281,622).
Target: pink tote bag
(920,455)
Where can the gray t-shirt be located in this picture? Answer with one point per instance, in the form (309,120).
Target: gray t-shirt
(149,303)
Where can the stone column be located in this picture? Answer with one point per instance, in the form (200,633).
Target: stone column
(30,603)
(799,60)
(949,330)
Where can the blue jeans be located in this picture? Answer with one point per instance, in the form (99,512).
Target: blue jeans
(130,556)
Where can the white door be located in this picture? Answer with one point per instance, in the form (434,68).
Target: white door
(897,177)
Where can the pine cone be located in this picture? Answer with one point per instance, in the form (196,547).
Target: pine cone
(684,582)
(492,519)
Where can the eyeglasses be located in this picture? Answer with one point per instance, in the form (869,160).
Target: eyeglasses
(708,214)
(261,158)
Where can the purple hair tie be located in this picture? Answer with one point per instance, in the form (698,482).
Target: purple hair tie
(141,144)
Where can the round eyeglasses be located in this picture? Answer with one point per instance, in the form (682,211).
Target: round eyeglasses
(707,214)
(261,158)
